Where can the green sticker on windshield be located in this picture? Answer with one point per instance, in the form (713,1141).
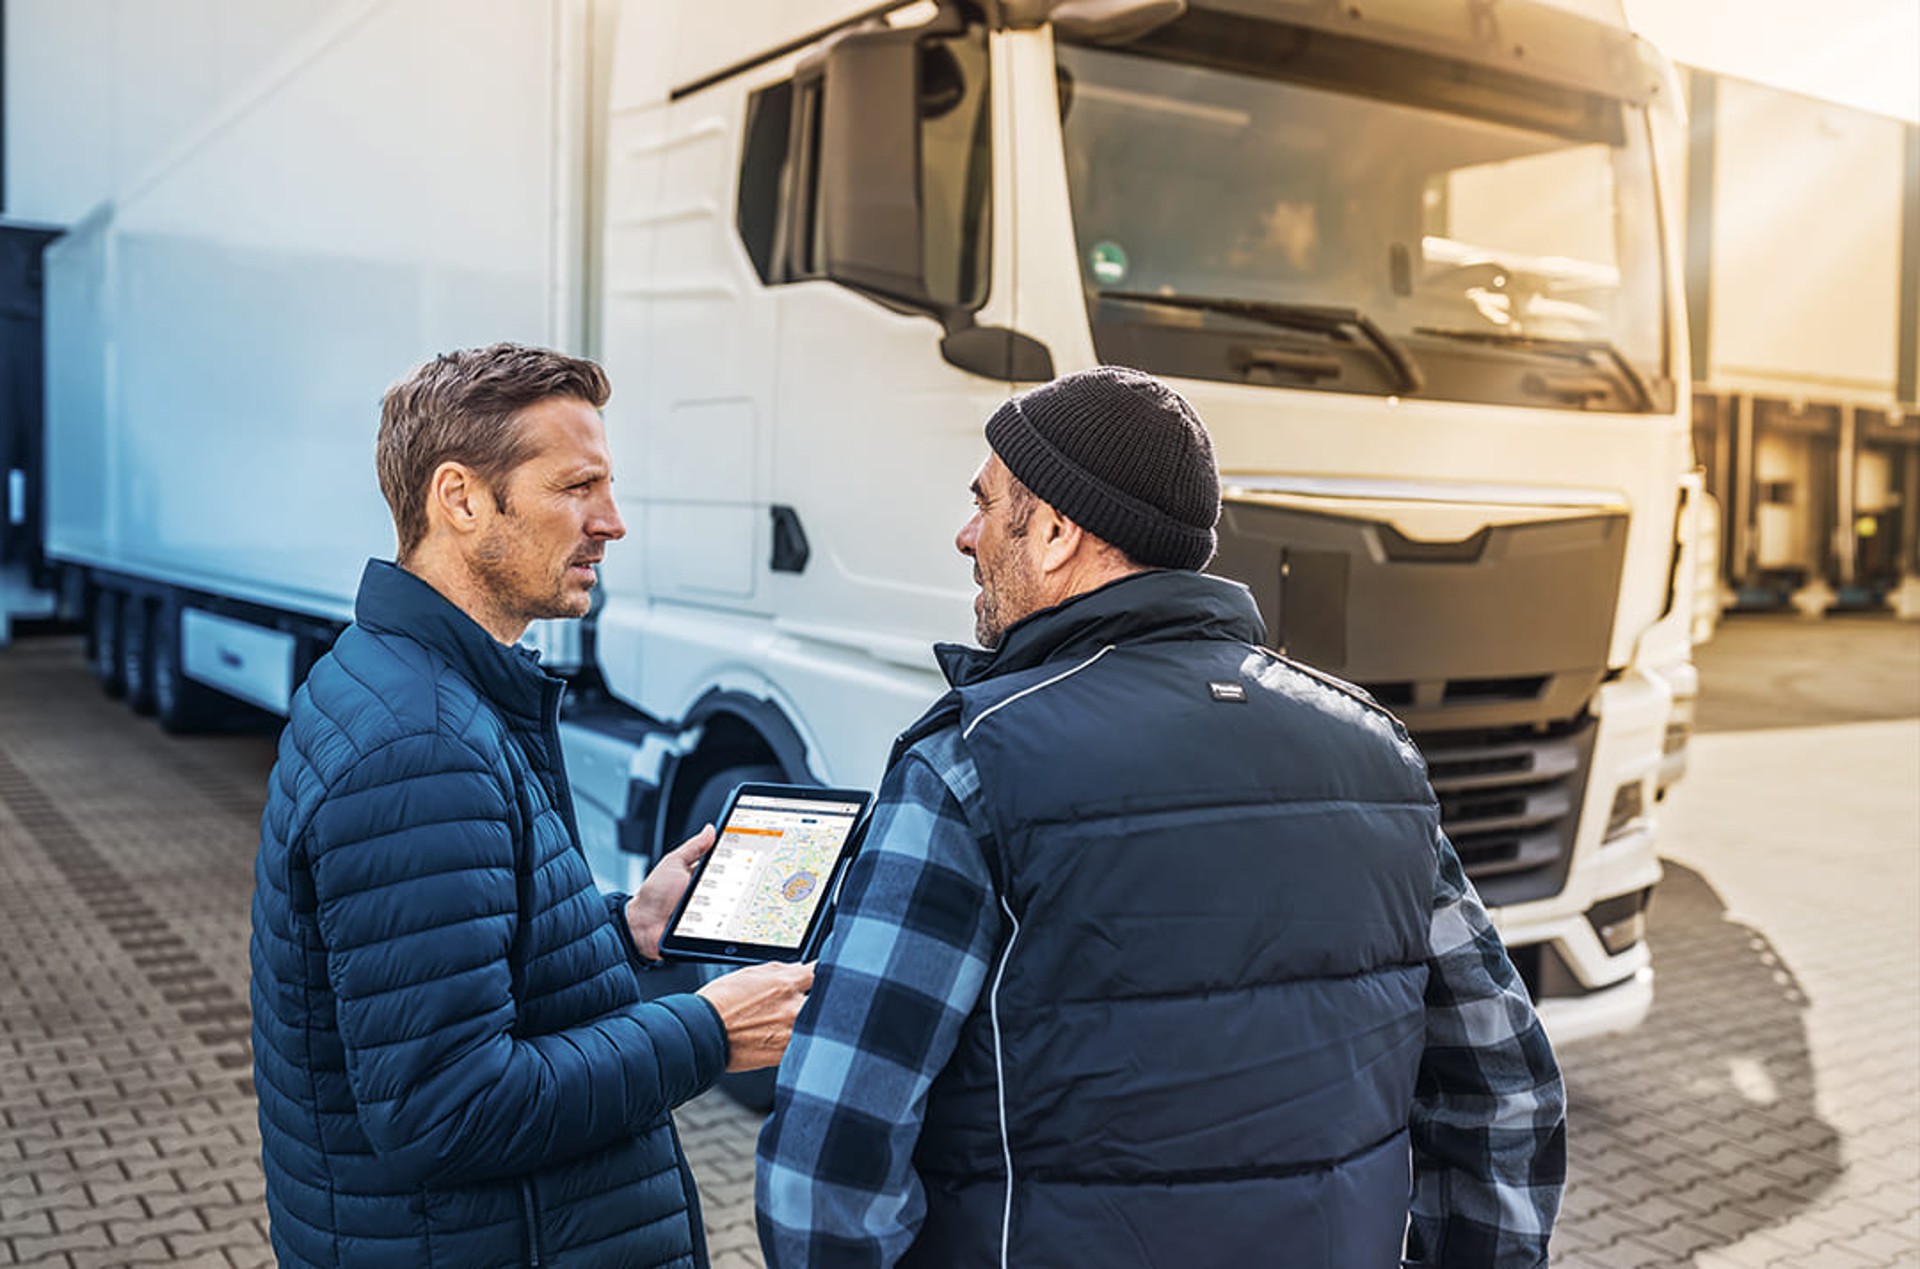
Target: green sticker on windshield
(1108,260)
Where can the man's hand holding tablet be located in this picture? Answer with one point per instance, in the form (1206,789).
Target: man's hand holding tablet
(764,890)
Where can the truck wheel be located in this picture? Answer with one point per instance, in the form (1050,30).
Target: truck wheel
(751,1089)
(103,635)
(706,804)
(182,706)
(136,660)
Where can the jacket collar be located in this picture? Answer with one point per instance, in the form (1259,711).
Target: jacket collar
(393,601)
(1164,604)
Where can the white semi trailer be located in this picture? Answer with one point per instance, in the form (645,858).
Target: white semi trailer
(1803,270)
(1414,261)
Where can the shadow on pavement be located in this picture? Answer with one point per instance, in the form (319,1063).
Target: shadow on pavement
(1700,1127)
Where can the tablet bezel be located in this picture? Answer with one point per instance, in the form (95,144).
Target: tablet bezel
(681,947)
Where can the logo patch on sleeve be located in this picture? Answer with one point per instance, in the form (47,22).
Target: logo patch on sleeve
(1228,692)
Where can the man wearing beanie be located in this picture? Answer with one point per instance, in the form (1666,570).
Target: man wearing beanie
(1156,954)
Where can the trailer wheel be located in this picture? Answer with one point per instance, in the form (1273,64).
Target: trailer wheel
(182,706)
(751,1089)
(103,638)
(136,647)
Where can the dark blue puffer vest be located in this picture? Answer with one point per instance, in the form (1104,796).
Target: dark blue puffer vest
(1198,1042)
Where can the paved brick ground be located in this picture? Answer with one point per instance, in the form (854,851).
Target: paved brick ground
(1800,1003)
(125,1089)
(1767,1115)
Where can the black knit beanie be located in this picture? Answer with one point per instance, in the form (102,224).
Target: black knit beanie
(1120,454)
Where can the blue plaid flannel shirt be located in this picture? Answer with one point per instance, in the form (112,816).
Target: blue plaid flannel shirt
(918,924)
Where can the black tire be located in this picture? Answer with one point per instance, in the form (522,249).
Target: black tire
(182,706)
(705,807)
(751,1089)
(103,640)
(136,653)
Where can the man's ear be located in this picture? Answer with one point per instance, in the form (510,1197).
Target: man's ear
(1060,538)
(455,498)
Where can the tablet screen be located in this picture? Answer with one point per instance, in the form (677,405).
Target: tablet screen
(769,872)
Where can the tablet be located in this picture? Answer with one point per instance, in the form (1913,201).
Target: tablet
(764,891)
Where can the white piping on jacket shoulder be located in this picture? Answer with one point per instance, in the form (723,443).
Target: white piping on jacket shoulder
(1028,691)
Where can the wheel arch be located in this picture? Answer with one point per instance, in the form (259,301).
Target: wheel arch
(737,729)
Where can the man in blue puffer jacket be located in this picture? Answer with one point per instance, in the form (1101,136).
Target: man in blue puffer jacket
(453,1059)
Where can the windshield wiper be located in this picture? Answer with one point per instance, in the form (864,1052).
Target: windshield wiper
(1562,386)
(1323,319)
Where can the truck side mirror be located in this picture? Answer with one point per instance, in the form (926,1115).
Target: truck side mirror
(900,204)
(870,230)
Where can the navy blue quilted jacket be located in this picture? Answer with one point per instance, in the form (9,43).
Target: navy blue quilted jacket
(452,1057)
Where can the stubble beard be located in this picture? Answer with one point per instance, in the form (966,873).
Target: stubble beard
(505,582)
(986,625)
(1004,600)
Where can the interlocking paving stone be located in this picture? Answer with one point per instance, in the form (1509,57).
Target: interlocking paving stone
(1767,1116)
(124,889)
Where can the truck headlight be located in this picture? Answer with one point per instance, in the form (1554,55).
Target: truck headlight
(1629,804)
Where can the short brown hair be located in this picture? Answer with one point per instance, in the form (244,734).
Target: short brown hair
(464,407)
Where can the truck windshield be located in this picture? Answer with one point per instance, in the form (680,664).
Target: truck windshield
(1499,234)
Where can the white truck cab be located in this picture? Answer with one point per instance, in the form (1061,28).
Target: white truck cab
(1411,266)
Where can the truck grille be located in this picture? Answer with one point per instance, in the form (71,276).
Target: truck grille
(1490,648)
(1510,803)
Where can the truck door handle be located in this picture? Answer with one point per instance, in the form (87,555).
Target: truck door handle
(790,549)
